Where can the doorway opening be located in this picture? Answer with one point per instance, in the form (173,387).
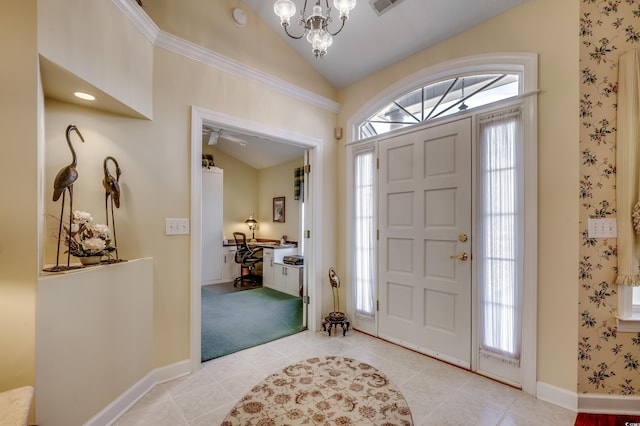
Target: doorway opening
(202,118)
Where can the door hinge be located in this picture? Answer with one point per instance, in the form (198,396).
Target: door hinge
(307,168)
(377,234)
(306,299)
(377,305)
(307,233)
(377,163)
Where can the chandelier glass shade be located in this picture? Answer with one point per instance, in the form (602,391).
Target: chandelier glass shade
(316,24)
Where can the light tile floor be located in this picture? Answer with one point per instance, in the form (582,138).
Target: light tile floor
(437,393)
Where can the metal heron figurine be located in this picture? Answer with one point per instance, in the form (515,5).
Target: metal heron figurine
(112,191)
(64,182)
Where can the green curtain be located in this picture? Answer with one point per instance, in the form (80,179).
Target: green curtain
(298,183)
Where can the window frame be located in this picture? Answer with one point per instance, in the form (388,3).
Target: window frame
(628,318)
(451,85)
(527,65)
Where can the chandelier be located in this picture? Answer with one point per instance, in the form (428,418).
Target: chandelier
(315,26)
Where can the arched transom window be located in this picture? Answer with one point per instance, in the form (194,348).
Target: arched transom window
(440,99)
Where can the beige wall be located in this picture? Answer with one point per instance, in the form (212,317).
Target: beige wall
(521,30)
(278,182)
(19,214)
(155,159)
(209,24)
(73,36)
(251,191)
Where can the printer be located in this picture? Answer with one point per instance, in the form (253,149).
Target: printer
(294,259)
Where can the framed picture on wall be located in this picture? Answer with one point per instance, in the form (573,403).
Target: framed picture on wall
(278,209)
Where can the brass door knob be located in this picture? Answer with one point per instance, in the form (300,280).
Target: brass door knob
(462,256)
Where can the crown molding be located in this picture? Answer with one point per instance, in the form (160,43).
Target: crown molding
(138,18)
(208,57)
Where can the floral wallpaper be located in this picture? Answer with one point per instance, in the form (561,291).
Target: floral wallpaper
(608,361)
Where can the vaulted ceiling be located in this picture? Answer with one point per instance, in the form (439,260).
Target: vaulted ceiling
(371,41)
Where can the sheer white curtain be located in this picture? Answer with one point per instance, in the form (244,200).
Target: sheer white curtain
(364,230)
(627,173)
(500,260)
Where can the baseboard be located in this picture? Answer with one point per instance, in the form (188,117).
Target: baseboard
(557,396)
(112,412)
(609,404)
(588,403)
(173,371)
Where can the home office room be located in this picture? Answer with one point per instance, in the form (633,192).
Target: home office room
(252,252)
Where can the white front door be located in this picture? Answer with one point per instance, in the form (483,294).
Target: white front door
(425,241)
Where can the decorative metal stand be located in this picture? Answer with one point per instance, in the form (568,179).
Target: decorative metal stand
(64,182)
(335,318)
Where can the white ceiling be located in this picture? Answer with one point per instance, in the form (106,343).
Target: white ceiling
(369,43)
(257,152)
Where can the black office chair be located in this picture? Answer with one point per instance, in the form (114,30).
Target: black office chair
(247,258)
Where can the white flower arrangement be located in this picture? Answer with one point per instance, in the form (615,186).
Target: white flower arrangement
(85,239)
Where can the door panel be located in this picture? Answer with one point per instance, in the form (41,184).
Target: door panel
(425,205)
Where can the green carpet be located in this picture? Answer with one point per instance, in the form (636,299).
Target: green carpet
(235,321)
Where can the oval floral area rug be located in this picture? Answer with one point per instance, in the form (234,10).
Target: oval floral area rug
(323,391)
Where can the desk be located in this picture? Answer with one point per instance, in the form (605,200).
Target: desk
(273,245)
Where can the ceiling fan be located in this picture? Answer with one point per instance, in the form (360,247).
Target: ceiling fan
(216,134)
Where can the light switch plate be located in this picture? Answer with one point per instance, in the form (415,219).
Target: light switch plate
(603,228)
(176,226)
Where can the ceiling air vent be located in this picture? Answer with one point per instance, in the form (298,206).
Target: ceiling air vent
(382,6)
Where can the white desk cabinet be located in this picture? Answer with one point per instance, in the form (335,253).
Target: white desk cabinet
(230,269)
(267,268)
(273,275)
(287,278)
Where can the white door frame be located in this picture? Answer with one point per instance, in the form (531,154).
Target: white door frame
(527,65)
(233,123)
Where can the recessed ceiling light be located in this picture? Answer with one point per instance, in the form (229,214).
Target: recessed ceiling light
(85,96)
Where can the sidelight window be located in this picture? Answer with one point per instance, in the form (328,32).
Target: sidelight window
(364,222)
(501,232)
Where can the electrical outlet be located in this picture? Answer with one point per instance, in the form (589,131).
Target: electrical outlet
(176,226)
(603,228)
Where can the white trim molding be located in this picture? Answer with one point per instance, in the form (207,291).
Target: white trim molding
(209,57)
(314,146)
(557,396)
(526,63)
(112,412)
(609,404)
(213,59)
(138,18)
(588,403)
